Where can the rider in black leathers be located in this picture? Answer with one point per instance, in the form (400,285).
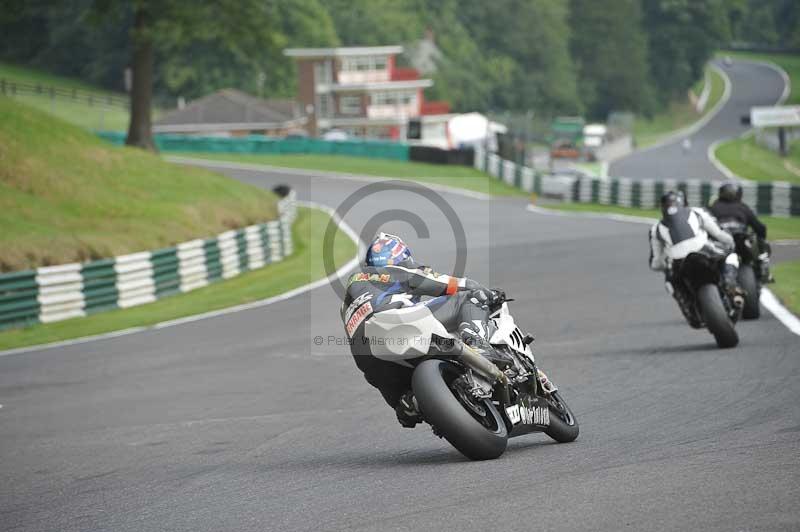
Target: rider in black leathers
(389,280)
(730,207)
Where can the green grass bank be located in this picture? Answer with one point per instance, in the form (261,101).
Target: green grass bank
(76,111)
(66,196)
(747,159)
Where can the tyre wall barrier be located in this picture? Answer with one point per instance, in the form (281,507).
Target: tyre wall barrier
(768,198)
(257,144)
(55,293)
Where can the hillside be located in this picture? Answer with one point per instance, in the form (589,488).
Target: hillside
(65,104)
(67,196)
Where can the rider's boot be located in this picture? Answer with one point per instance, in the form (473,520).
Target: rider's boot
(471,335)
(764,274)
(731,283)
(765,251)
(408,413)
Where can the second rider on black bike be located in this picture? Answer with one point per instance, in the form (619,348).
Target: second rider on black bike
(683,230)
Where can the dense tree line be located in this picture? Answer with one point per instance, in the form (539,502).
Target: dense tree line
(551,56)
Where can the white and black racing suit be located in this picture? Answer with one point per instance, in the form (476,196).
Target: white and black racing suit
(384,289)
(688,230)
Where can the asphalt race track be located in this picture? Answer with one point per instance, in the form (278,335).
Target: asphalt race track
(752,84)
(241,422)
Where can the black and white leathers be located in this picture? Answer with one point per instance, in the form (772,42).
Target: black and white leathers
(685,230)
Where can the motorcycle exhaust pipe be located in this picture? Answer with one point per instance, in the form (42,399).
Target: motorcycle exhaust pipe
(478,363)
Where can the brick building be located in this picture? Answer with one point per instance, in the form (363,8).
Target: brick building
(360,90)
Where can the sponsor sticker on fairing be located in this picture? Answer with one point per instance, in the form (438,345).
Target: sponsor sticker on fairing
(513,414)
(358,316)
(528,415)
(357,302)
(370,277)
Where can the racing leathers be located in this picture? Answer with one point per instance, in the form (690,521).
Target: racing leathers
(384,289)
(685,230)
(737,212)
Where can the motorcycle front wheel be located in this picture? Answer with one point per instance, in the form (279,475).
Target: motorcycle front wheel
(715,316)
(472,426)
(563,425)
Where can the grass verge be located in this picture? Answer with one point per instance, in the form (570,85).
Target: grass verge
(77,112)
(303,266)
(66,196)
(777,228)
(787,284)
(677,116)
(449,175)
(745,158)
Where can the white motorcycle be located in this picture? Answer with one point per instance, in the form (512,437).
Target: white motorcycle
(468,400)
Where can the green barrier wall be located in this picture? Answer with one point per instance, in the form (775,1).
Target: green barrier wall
(265,145)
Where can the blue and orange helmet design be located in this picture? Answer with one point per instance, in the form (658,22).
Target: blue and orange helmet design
(387,250)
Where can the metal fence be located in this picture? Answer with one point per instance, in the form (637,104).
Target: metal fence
(55,293)
(767,198)
(17,88)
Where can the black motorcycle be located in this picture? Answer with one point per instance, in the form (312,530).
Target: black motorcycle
(472,402)
(702,297)
(749,280)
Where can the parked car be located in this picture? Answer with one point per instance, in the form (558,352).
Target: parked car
(564,150)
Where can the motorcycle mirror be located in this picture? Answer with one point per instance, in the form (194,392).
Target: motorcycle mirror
(528,339)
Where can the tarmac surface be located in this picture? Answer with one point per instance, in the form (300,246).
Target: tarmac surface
(752,84)
(241,422)
(248,421)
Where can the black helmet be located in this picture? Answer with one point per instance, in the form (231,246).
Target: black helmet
(730,191)
(671,201)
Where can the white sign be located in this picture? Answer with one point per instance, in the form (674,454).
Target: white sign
(777,116)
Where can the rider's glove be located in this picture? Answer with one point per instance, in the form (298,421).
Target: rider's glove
(488,298)
(481,297)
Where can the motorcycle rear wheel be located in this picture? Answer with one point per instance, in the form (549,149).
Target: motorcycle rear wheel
(476,436)
(715,316)
(747,280)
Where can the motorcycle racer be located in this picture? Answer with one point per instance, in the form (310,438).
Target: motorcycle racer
(729,207)
(390,279)
(683,230)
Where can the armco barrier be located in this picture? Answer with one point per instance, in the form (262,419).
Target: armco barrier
(55,293)
(256,144)
(770,198)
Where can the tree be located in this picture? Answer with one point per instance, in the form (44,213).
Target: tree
(682,36)
(526,45)
(242,28)
(610,51)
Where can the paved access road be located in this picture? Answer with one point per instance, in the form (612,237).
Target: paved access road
(241,423)
(751,84)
